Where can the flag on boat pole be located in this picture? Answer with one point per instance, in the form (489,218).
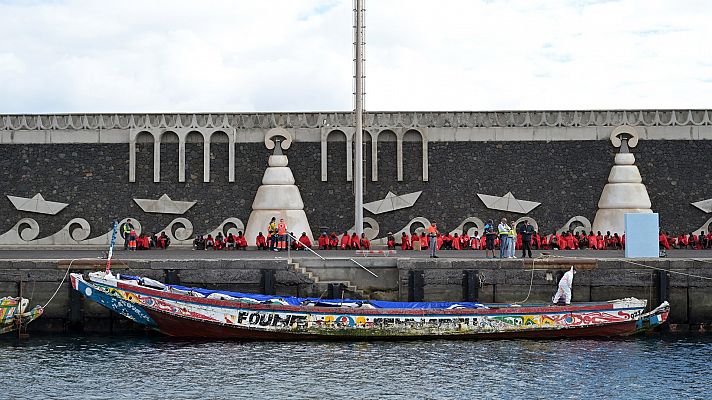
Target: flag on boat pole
(111,247)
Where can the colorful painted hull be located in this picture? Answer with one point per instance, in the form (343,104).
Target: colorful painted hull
(182,315)
(10,308)
(111,299)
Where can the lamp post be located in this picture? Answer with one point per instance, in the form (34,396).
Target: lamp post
(358,115)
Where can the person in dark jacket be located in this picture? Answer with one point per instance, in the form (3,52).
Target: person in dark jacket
(526,231)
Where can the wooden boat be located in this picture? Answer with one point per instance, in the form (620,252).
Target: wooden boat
(199,313)
(14,314)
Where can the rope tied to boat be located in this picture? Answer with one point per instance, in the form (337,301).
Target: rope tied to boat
(60,283)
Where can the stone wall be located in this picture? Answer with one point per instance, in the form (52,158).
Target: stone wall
(565,176)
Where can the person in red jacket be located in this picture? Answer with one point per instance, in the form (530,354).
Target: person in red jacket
(423,241)
(391,241)
(355,242)
(662,239)
(365,244)
(345,241)
(455,242)
(240,241)
(465,241)
(333,241)
(405,242)
(592,241)
(571,242)
(600,243)
(323,241)
(304,241)
(261,242)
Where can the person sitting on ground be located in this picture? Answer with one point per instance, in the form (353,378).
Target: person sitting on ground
(663,241)
(616,241)
(323,241)
(355,243)
(447,241)
(240,241)
(600,243)
(475,241)
(219,241)
(164,240)
(415,241)
(464,241)
(261,242)
(365,243)
(333,241)
(304,241)
(209,243)
(294,243)
(230,242)
(423,241)
(199,243)
(405,242)
(345,241)
(391,241)
(455,242)
(608,240)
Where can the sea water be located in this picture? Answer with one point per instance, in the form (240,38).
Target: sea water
(90,367)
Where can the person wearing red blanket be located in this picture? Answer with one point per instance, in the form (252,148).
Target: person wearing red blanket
(483,242)
(662,239)
(391,241)
(423,241)
(323,241)
(414,238)
(571,242)
(682,241)
(405,242)
(303,242)
(261,242)
(455,242)
(345,241)
(355,242)
(333,241)
(365,244)
(592,241)
(600,244)
(544,243)
(241,241)
(464,241)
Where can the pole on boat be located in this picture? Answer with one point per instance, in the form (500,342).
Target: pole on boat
(359,96)
(111,247)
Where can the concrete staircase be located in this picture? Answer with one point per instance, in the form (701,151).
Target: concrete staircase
(352,291)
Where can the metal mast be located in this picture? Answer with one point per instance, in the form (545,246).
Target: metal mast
(359,94)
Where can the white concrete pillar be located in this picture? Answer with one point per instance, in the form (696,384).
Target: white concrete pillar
(399,156)
(324,155)
(231,157)
(374,157)
(206,160)
(156,160)
(349,158)
(132,161)
(181,158)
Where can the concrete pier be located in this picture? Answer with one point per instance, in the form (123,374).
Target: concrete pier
(681,281)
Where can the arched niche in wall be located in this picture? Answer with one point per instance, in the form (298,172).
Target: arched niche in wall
(142,157)
(169,154)
(194,144)
(386,155)
(219,156)
(338,150)
(411,159)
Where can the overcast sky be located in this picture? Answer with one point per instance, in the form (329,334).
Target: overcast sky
(60,56)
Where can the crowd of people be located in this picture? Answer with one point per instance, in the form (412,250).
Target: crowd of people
(503,237)
(133,241)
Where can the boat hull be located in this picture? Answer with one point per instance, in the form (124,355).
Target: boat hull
(9,315)
(187,316)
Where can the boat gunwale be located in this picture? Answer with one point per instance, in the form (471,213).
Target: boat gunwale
(503,311)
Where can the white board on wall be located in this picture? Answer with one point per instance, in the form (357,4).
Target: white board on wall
(641,235)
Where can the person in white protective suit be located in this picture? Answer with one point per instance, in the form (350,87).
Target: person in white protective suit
(564,292)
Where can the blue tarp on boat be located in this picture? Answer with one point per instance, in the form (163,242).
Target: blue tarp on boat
(299,301)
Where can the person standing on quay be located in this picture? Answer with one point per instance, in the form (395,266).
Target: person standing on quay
(125,232)
(432,235)
(503,230)
(527,231)
(282,235)
(272,233)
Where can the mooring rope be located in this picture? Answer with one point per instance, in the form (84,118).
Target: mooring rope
(60,283)
(650,266)
(531,283)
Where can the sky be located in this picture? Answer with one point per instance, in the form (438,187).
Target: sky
(88,56)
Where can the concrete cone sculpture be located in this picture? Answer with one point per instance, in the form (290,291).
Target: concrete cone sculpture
(277,197)
(625,191)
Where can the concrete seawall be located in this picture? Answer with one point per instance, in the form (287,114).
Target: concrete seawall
(678,281)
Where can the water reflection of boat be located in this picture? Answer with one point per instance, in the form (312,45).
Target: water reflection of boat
(193,312)
(14,314)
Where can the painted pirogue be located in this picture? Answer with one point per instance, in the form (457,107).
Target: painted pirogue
(193,312)
(13,314)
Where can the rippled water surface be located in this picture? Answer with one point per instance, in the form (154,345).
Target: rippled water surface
(160,368)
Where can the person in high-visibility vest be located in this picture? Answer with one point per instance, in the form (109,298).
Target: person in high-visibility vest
(281,234)
(271,234)
(125,232)
(432,236)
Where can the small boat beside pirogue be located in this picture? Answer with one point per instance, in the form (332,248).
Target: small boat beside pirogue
(14,314)
(200,313)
